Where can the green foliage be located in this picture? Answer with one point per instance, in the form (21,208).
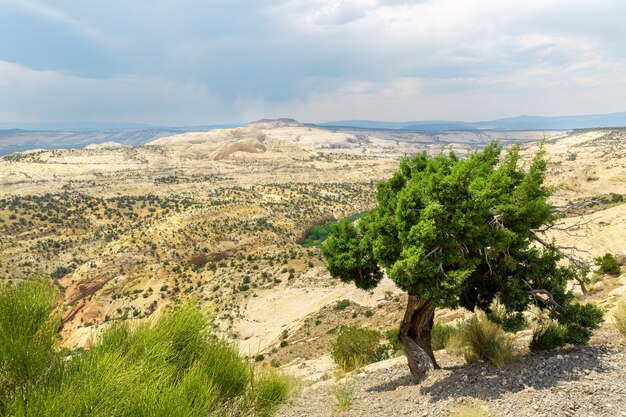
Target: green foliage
(619,317)
(270,389)
(393,339)
(28,332)
(509,321)
(484,340)
(608,264)
(548,337)
(344,394)
(319,233)
(357,346)
(440,335)
(174,366)
(458,232)
(342,304)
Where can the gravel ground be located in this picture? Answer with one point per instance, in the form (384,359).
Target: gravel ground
(576,381)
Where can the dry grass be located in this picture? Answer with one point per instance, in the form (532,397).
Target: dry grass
(482,339)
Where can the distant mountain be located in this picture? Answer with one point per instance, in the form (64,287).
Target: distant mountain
(16,140)
(511,123)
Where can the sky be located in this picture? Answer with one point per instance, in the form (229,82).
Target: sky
(192,62)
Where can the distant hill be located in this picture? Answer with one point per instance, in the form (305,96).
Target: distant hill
(511,123)
(72,136)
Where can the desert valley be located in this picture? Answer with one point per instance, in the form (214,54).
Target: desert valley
(223,216)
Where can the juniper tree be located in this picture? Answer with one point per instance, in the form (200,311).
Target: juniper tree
(459,232)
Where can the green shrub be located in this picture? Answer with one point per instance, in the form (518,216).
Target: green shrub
(342,304)
(482,339)
(174,366)
(28,333)
(619,316)
(608,264)
(546,337)
(393,339)
(270,389)
(368,313)
(357,346)
(440,334)
(509,321)
(344,394)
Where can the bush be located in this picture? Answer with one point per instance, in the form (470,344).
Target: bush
(608,264)
(482,339)
(509,321)
(548,337)
(270,389)
(619,316)
(174,366)
(393,339)
(440,334)
(357,346)
(344,394)
(342,304)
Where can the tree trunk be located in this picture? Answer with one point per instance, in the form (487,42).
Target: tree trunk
(414,336)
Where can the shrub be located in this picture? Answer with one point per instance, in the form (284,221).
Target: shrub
(28,330)
(619,315)
(174,366)
(342,304)
(608,264)
(269,390)
(369,313)
(357,346)
(440,334)
(394,341)
(484,340)
(283,343)
(509,321)
(546,337)
(344,394)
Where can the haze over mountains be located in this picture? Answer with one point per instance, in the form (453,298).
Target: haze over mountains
(21,137)
(509,123)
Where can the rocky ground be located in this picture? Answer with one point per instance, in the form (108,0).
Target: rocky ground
(575,381)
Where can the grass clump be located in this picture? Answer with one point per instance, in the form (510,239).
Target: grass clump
(173,366)
(357,346)
(345,394)
(619,317)
(482,339)
(269,390)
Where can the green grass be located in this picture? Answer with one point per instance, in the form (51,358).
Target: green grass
(440,335)
(174,366)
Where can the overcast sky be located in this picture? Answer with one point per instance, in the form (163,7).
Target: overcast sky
(182,62)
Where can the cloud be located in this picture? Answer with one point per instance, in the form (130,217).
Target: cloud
(321,59)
